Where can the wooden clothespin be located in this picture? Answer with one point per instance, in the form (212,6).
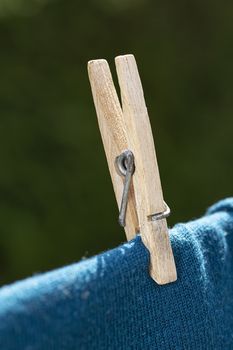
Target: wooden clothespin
(130,152)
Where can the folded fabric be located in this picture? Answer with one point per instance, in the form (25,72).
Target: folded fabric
(110,301)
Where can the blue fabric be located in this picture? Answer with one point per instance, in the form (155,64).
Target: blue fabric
(110,302)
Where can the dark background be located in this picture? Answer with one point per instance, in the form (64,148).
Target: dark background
(56,205)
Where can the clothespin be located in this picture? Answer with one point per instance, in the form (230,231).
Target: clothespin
(130,152)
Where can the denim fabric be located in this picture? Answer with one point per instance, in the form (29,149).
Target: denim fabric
(110,301)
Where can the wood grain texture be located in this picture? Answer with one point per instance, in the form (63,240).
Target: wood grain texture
(110,120)
(146,179)
(129,128)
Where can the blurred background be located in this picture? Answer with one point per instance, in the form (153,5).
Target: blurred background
(56,206)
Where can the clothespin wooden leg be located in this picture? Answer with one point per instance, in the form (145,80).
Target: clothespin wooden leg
(110,120)
(130,129)
(146,179)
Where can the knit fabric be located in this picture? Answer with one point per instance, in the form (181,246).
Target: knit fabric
(110,301)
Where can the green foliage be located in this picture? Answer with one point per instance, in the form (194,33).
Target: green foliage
(20,7)
(56,198)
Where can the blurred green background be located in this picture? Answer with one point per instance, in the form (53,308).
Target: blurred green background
(56,205)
